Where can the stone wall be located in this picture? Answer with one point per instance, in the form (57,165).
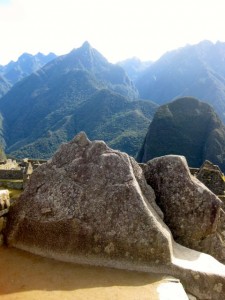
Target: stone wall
(11,174)
(12,184)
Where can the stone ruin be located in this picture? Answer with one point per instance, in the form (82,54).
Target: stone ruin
(91,204)
(15,174)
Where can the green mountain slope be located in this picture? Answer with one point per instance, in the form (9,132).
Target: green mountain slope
(105,115)
(40,100)
(186,127)
(74,92)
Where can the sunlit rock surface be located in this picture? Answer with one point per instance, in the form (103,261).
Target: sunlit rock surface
(192,212)
(91,204)
(212,177)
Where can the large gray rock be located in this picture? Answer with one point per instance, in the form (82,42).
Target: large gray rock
(192,212)
(90,201)
(91,204)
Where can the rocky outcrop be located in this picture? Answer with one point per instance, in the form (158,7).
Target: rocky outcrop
(91,204)
(90,201)
(186,127)
(191,211)
(212,177)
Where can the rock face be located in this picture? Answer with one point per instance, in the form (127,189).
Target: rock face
(91,204)
(212,177)
(191,211)
(89,201)
(186,127)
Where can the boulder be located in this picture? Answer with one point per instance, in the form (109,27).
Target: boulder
(192,212)
(212,177)
(91,204)
(188,127)
(4,202)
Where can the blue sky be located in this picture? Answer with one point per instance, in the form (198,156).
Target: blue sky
(119,29)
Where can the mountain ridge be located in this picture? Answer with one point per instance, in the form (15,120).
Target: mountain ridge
(44,109)
(25,65)
(194,70)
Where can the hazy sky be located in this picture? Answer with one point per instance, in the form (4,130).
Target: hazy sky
(119,29)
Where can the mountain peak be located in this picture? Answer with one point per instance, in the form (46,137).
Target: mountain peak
(86,45)
(85,57)
(24,56)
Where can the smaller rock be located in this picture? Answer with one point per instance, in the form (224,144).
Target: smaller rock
(4,199)
(192,212)
(212,177)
